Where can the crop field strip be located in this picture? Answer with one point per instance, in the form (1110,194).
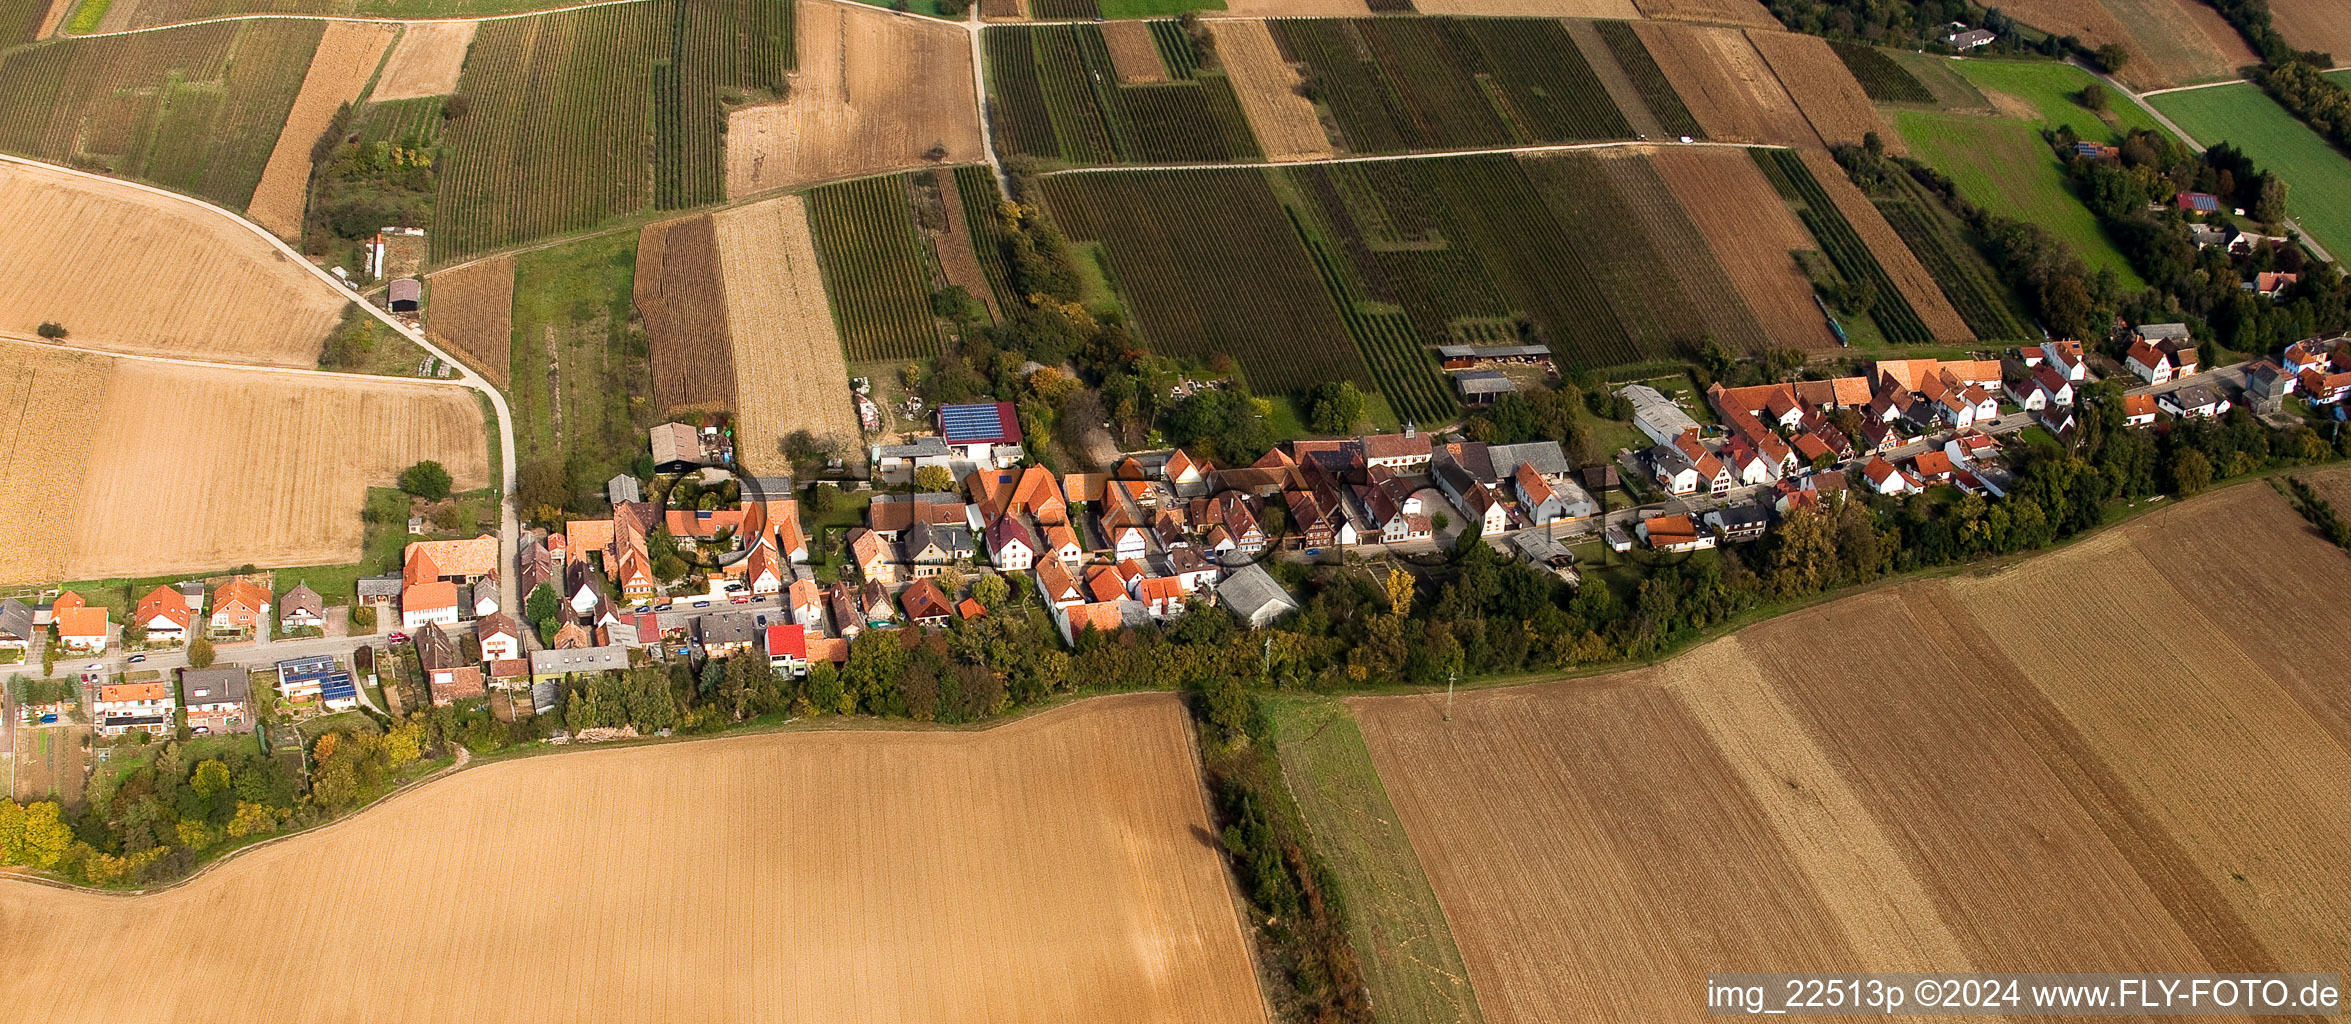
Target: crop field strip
(1414,384)
(788,365)
(470,311)
(20,21)
(1209,263)
(196,109)
(876,92)
(1844,247)
(1656,90)
(1059,97)
(578,117)
(1403,84)
(1659,219)
(876,270)
(1836,105)
(579,369)
(975,184)
(1940,242)
(413,122)
(1745,226)
(1880,76)
(680,295)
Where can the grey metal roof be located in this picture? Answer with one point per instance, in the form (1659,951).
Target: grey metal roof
(727,628)
(1541,547)
(16,620)
(2163,332)
(380,586)
(926,447)
(580,659)
(1546,456)
(623,487)
(1484,382)
(1492,351)
(1250,590)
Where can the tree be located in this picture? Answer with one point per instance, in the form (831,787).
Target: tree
(427,480)
(1334,407)
(820,501)
(542,608)
(990,591)
(2111,58)
(211,777)
(2191,472)
(1400,584)
(200,653)
(934,479)
(51,330)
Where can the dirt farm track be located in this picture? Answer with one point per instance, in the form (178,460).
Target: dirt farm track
(2086,761)
(1053,869)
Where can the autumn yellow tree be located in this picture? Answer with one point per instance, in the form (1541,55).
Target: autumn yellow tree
(1400,585)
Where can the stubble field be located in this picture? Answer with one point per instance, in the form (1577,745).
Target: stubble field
(1059,868)
(1747,13)
(347,56)
(426,61)
(2171,42)
(1823,88)
(472,314)
(2314,25)
(1751,232)
(1901,265)
(197,469)
(2081,762)
(1726,84)
(787,351)
(131,271)
(874,92)
(45,399)
(1284,121)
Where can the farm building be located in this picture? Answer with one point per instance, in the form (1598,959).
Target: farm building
(897,463)
(676,448)
(395,252)
(1252,594)
(983,432)
(553,666)
(16,625)
(406,295)
(623,489)
(1658,416)
(1969,38)
(1482,387)
(1462,357)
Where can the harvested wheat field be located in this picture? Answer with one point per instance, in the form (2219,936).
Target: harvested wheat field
(1726,84)
(683,301)
(132,271)
(426,61)
(875,92)
(1132,53)
(1297,9)
(1282,118)
(1745,13)
(1824,89)
(1058,868)
(1531,8)
(347,56)
(788,366)
(2084,761)
(196,468)
(2171,42)
(472,315)
(1752,233)
(1934,308)
(2322,25)
(46,395)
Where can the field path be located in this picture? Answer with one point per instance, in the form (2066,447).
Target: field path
(510,531)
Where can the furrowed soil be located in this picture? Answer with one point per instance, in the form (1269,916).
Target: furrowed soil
(1824,89)
(426,61)
(347,56)
(1746,13)
(1726,84)
(197,469)
(1934,308)
(874,92)
(2081,761)
(787,349)
(2320,25)
(56,13)
(682,298)
(1531,8)
(1751,232)
(131,271)
(1132,54)
(45,399)
(49,763)
(1284,121)
(958,260)
(472,314)
(1060,869)
(1714,301)
(2171,42)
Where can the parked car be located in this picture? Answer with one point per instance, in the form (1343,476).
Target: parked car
(734,585)
(399,638)
(137,658)
(661,607)
(49,719)
(740,599)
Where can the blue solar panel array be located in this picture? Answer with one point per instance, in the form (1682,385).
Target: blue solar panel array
(975,423)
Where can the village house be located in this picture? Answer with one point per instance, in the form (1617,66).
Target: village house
(1189,569)
(1030,491)
(891,514)
(217,700)
(931,548)
(122,707)
(499,636)
(2158,353)
(926,604)
(558,665)
(804,601)
(317,678)
(2045,386)
(1056,586)
(867,553)
(1010,547)
(1104,616)
(983,433)
(1883,478)
(1674,533)
(2138,410)
(761,571)
(880,611)
(16,625)
(2195,401)
(848,614)
(1404,453)
(164,614)
(240,606)
(1737,524)
(1185,475)
(1061,543)
(725,633)
(2063,356)
(787,648)
(301,608)
(898,463)
(79,626)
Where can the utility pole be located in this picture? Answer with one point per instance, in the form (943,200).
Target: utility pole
(1451,677)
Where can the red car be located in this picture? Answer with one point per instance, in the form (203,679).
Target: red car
(399,638)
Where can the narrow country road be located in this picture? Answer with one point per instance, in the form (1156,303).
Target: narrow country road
(509,527)
(1557,147)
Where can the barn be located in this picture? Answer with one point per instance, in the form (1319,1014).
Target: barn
(407,295)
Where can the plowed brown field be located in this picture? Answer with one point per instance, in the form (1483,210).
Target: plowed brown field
(472,314)
(1531,8)
(199,469)
(1055,869)
(957,259)
(426,62)
(1934,308)
(788,363)
(1726,84)
(347,56)
(2172,42)
(2081,762)
(46,396)
(132,271)
(1824,89)
(1746,13)
(875,92)
(1751,232)
(1296,9)
(2322,25)
(1132,53)
(680,294)
(1283,119)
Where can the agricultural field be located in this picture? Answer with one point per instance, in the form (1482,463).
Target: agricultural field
(1451,83)
(1057,95)
(2003,166)
(1640,68)
(876,92)
(1848,249)
(2173,791)
(2313,25)
(49,763)
(681,296)
(1746,227)
(1882,77)
(1726,84)
(2171,42)
(944,216)
(1915,285)
(45,398)
(1267,86)
(131,271)
(558,134)
(1304,8)
(1744,13)
(975,186)
(2317,175)
(1824,89)
(877,270)
(578,385)
(1514,8)
(470,311)
(347,56)
(426,61)
(2048,94)
(1940,241)
(787,352)
(930,876)
(22,21)
(196,109)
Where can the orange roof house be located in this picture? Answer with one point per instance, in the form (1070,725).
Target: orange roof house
(459,561)
(164,611)
(239,604)
(80,626)
(1030,491)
